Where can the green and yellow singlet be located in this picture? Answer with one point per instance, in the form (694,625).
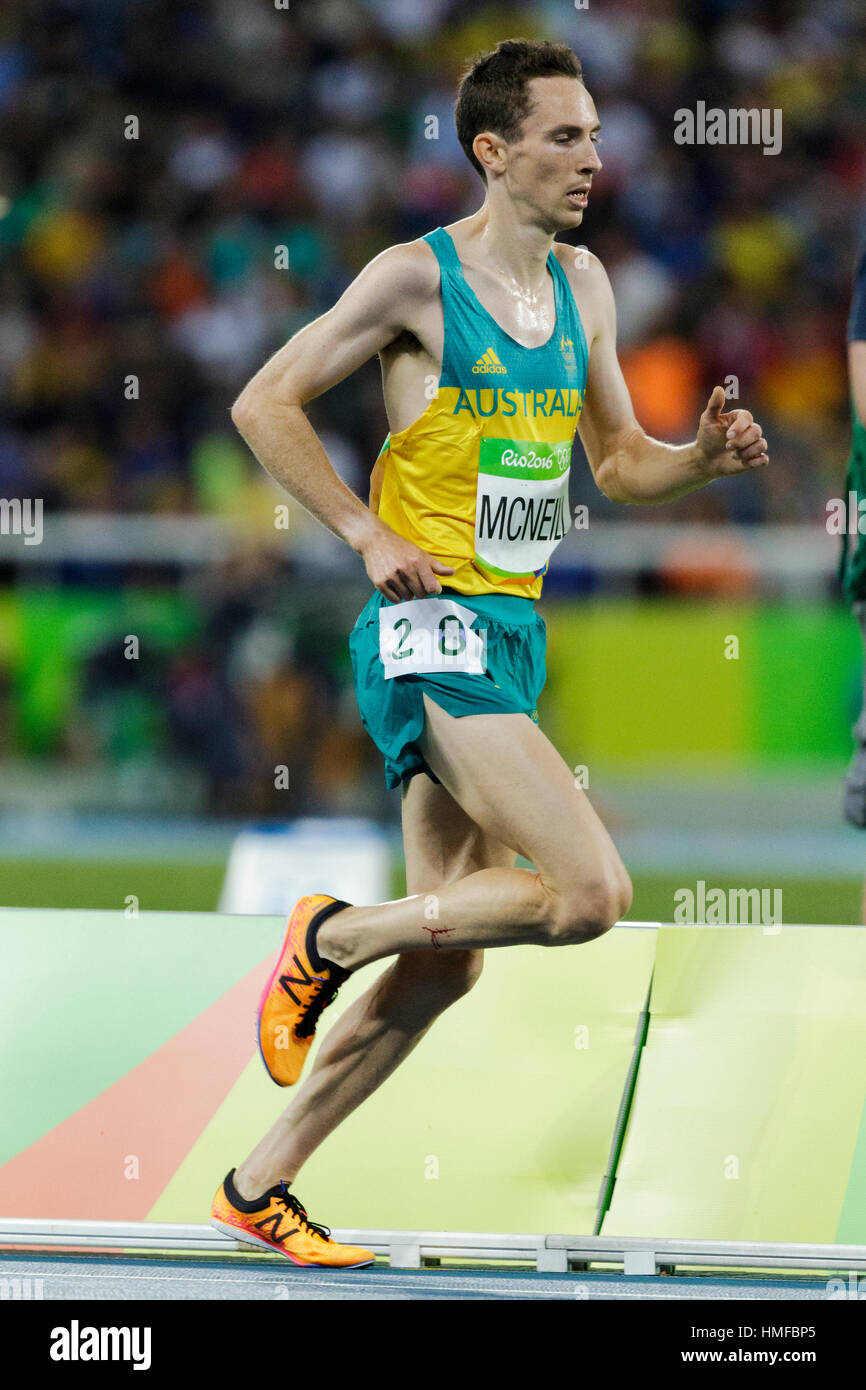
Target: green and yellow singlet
(480,480)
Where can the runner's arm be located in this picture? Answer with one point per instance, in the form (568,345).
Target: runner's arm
(629,466)
(269,411)
(376,308)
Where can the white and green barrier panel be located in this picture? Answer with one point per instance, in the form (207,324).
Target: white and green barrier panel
(748,1119)
(132,1083)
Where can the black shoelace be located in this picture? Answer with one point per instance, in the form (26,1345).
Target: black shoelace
(326,991)
(297,1209)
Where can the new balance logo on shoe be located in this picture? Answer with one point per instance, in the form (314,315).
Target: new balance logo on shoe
(303,979)
(275,1221)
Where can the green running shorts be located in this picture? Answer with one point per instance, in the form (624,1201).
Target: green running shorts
(392,710)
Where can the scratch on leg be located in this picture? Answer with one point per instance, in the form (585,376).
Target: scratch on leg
(438,931)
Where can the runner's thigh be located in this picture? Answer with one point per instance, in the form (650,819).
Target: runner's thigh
(440,841)
(509,779)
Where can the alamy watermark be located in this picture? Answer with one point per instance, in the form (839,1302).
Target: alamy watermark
(736,126)
(734,907)
(22,516)
(77,1343)
(16,1288)
(855,1288)
(846,516)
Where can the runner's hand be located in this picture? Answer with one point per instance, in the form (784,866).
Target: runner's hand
(398,568)
(731,441)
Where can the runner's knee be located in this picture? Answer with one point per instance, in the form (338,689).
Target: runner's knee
(590,909)
(626,891)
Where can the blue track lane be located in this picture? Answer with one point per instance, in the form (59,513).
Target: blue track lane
(183,1277)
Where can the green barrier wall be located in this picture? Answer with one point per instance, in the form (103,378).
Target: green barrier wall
(748,1119)
(647,683)
(132,1082)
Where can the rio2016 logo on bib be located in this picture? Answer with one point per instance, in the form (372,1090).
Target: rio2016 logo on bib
(521,507)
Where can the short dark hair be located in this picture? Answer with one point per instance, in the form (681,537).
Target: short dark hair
(493,91)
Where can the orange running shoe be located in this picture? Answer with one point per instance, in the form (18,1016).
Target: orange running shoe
(278,1221)
(300,987)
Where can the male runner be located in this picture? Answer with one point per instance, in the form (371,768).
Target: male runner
(468,500)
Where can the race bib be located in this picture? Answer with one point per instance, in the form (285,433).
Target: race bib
(521,507)
(429,634)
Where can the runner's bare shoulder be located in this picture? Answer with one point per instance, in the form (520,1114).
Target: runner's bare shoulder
(589,284)
(578,261)
(407,272)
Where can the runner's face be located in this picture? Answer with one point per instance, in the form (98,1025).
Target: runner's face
(550,167)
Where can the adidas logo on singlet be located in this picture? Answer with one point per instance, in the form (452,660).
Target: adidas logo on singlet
(489,363)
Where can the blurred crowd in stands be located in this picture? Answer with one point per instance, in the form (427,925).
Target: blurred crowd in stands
(184,185)
(154,156)
(250,687)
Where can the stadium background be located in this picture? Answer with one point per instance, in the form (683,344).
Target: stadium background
(153,258)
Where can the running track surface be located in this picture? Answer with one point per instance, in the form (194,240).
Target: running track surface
(113,1277)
